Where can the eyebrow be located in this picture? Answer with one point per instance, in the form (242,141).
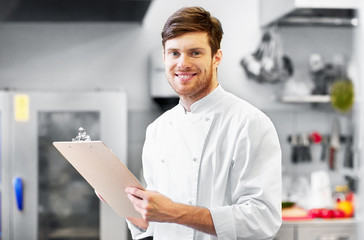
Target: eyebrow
(198,49)
(192,49)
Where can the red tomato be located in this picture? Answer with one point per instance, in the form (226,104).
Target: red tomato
(339,213)
(315,212)
(327,213)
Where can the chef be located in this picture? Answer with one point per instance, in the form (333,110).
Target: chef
(212,163)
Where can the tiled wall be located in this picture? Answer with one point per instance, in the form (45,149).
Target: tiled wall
(305,122)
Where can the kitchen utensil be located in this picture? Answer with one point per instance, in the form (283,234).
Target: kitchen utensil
(306,148)
(317,69)
(324,146)
(334,142)
(267,63)
(294,148)
(348,158)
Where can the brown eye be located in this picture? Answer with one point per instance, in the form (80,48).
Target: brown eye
(174,54)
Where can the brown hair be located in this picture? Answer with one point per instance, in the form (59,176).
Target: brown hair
(193,19)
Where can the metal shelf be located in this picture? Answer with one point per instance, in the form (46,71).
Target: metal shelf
(306,99)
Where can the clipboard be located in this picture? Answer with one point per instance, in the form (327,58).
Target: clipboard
(99,166)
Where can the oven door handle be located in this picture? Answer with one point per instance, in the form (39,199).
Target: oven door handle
(18,190)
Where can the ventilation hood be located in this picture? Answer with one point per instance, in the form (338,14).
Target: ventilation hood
(308,12)
(73,10)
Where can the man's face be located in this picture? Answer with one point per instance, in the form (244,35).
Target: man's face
(190,69)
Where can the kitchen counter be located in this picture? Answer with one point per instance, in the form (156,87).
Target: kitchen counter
(320,221)
(318,229)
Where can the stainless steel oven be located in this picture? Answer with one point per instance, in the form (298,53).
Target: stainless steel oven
(42,196)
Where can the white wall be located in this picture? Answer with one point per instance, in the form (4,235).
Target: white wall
(75,56)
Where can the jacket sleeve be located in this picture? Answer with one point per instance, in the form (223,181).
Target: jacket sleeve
(138,233)
(255,178)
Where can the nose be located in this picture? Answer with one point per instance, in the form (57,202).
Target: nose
(183,62)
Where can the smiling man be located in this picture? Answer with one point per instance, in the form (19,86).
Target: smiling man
(212,163)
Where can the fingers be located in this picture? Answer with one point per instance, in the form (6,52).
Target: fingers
(139,205)
(135,200)
(141,194)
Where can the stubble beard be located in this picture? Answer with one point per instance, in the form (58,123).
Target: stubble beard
(200,89)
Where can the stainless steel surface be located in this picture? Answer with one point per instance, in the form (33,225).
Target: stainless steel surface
(318,230)
(309,12)
(334,143)
(5,204)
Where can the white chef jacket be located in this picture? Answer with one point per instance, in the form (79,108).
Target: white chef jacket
(223,155)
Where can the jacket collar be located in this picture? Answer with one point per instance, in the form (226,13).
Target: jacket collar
(206,103)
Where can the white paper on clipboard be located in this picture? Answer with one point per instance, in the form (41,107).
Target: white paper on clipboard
(103,171)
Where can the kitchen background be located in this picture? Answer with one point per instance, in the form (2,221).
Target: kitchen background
(121,55)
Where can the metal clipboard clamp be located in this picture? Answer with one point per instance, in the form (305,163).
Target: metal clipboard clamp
(101,168)
(82,136)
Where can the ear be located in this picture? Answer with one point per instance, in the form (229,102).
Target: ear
(217,58)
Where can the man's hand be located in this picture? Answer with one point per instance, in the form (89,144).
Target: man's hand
(155,207)
(152,205)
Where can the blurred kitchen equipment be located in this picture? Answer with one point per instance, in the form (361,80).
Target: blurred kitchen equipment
(323,74)
(294,148)
(320,190)
(349,158)
(352,183)
(317,69)
(313,13)
(300,148)
(296,188)
(334,143)
(268,64)
(306,150)
(324,146)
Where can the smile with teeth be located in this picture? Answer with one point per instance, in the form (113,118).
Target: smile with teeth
(186,75)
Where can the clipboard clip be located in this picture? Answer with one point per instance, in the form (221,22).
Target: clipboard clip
(82,136)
